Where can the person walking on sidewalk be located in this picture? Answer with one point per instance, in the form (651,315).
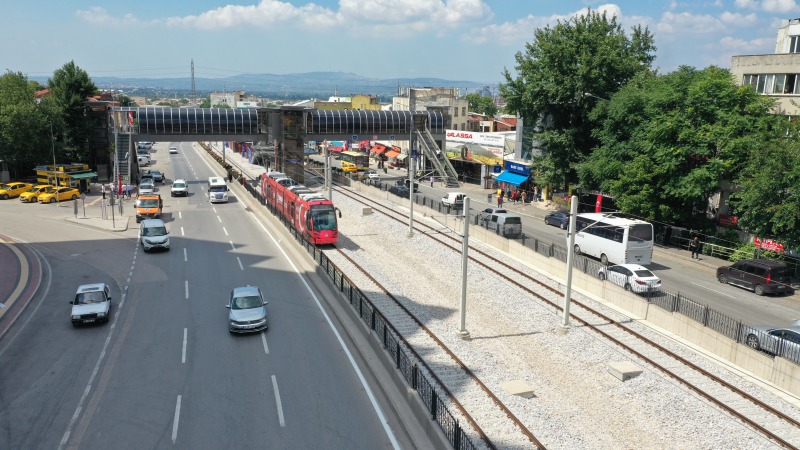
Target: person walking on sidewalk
(523,198)
(694,246)
(432,179)
(500,199)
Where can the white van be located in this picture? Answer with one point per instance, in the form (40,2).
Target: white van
(454,199)
(217,190)
(144,160)
(504,224)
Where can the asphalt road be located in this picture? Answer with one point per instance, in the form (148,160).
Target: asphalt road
(165,372)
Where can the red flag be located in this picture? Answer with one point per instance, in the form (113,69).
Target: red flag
(119,184)
(130,117)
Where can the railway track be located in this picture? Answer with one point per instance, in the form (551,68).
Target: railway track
(775,420)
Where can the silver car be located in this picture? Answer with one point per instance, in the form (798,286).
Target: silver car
(778,341)
(147,188)
(247,311)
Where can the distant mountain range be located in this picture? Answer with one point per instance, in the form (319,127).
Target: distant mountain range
(319,85)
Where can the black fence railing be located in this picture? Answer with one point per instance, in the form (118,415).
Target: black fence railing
(413,368)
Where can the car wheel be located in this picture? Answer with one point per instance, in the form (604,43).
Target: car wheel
(759,289)
(75,324)
(74,196)
(602,276)
(604,259)
(722,278)
(563,226)
(52,199)
(5,196)
(578,250)
(628,287)
(752,342)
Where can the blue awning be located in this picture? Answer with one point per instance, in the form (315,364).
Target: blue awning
(512,178)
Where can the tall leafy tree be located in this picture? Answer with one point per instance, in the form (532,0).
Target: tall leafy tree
(667,141)
(24,126)
(768,197)
(588,53)
(481,104)
(70,86)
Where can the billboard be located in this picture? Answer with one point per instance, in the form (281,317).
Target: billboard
(483,148)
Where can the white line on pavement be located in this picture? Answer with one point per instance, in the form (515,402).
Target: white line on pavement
(278,401)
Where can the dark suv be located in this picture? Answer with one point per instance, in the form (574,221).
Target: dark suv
(761,276)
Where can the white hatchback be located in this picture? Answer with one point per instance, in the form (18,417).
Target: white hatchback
(92,304)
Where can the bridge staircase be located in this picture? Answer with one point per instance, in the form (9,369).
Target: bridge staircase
(440,163)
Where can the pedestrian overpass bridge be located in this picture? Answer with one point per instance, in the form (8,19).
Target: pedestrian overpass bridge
(285,128)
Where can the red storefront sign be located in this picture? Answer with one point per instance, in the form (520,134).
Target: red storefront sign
(768,244)
(728,221)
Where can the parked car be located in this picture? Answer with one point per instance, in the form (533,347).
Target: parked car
(179,188)
(504,224)
(632,277)
(157,175)
(454,199)
(484,215)
(32,194)
(401,191)
(153,234)
(147,187)
(557,218)
(59,195)
(780,341)
(371,174)
(247,310)
(761,276)
(13,189)
(92,303)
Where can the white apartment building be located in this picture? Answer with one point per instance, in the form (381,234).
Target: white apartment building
(418,99)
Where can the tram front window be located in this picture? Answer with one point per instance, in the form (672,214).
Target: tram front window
(323,219)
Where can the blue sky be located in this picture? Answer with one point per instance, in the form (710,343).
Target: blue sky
(452,39)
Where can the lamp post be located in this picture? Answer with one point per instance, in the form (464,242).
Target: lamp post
(55,169)
(573,213)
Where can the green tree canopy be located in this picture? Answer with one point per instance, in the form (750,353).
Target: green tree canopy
(768,197)
(70,86)
(667,141)
(587,53)
(481,104)
(24,125)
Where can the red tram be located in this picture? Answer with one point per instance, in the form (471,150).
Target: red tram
(313,215)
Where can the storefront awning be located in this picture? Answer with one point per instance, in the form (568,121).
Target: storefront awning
(392,154)
(402,156)
(80,176)
(511,178)
(377,149)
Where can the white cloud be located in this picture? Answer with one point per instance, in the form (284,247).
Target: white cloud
(746,4)
(687,23)
(773,6)
(97,15)
(402,16)
(751,47)
(737,19)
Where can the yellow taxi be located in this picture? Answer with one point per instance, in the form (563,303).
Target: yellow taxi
(32,194)
(13,189)
(60,194)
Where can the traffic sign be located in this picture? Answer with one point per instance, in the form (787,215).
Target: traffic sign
(391,137)
(354,138)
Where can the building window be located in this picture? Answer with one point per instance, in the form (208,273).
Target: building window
(794,44)
(455,111)
(463,110)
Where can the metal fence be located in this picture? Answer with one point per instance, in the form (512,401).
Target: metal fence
(412,368)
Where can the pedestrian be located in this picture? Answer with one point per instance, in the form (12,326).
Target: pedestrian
(500,200)
(535,192)
(230,175)
(523,198)
(514,197)
(432,180)
(694,247)
(103,190)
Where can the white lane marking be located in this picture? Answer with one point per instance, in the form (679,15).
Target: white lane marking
(278,401)
(264,341)
(182,232)
(226,231)
(215,211)
(233,247)
(712,290)
(186,283)
(350,358)
(185,256)
(180,216)
(183,353)
(175,420)
(220,220)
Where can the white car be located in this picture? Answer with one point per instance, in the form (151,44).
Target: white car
(372,174)
(179,188)
(173,150)
(153,234)
(247,312)
(147,187)
(632,277)
(92,304)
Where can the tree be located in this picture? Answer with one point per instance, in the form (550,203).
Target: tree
(768,197)
(481,104)
(24,125)
(70,86)
(588,53)
(667,141)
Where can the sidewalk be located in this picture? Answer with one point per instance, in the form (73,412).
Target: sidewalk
(90,212)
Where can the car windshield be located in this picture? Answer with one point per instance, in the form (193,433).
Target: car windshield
(218,188)
(85,298)
(147,203)
(179,185)
(155,173)
(323,218)
(154,231)
(252,301)
(641,233)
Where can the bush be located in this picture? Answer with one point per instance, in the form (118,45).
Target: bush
(750,251)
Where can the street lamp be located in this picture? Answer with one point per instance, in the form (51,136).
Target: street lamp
(55,169)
